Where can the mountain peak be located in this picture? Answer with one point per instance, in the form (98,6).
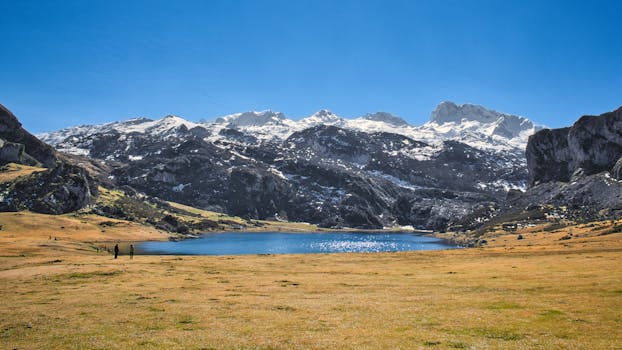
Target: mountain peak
(386,118)
(323,116)
(252,118)
(324,113)
(505,125)
(448,111)
(172,117)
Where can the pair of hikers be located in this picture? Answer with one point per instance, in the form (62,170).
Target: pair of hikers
(116,251)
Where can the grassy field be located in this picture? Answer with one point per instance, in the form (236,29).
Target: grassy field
(544,291)
(12,171)
(264,224)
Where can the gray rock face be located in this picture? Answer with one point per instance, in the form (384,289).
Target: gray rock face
(592,145)
(11,131)
(448,111)
(11,152)
(548,156)
(61,189)
(576,170)
(385,117)
(616,171)
(596,142)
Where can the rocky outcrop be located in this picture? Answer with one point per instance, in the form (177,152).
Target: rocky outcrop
(11,152)
(60,189)
(548,156)
(575,171)
(592,145)
(13,135)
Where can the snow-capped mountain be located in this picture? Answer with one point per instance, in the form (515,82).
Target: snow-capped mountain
(385,117)
(322,117)
(471,124)
(75,140)
(247,119)
(372,171)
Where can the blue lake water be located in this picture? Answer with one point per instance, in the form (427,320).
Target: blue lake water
(238,243)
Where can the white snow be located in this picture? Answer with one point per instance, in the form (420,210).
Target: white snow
(277,172)
(180,187)
(470,124)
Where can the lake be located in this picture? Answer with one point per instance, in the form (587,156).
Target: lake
(238,243)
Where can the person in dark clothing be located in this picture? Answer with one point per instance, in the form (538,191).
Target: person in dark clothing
(116,250)
(131,251)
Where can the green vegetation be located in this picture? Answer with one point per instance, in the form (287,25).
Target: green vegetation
(182,219)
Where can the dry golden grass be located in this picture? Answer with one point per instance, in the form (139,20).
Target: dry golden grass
(12,171)
(265,224)
(536,293)
(24,234)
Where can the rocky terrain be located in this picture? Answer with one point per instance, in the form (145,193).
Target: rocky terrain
(369,172)
(459,170)
(575,172)
(60,188)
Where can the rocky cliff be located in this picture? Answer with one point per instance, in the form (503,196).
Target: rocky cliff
(577,169)
(592,145)
(19,146)
(59,187)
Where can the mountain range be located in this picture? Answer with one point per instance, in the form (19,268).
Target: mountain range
(373,171)
(466,168)
(471,124)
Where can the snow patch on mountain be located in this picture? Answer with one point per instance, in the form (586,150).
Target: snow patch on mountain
(322,117)
(473,125)
(138,125)
(384,117)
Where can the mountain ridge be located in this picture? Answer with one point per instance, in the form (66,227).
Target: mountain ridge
(369,172)
(506,132)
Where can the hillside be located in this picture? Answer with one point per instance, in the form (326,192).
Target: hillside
(36,178)
(374,171)
(575,172)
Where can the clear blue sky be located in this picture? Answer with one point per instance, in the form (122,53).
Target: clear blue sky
(69,62)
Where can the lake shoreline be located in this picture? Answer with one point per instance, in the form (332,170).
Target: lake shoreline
(278,242)
(543,291)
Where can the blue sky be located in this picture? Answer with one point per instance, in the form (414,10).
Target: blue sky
(79,62)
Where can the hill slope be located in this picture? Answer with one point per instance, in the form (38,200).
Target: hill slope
(370,172)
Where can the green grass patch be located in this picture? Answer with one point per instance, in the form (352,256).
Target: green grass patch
(495,333)
(548,314)
(503,305)
(91,274)
(457,345)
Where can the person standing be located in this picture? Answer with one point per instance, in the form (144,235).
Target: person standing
(131,252)
(116,250)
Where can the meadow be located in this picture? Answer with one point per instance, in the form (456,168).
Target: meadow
(60,290)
